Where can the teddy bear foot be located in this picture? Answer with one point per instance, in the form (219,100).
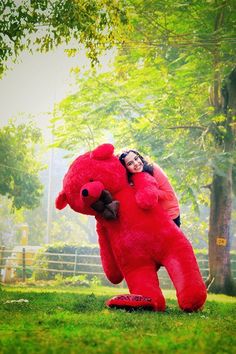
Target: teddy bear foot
(132,302)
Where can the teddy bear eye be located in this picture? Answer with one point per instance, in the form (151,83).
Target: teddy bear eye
(91,180)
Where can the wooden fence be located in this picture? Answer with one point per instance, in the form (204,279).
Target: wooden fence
(20,264)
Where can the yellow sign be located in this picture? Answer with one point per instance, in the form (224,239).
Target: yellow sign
(221,241)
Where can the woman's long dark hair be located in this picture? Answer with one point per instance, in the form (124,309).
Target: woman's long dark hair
(147,167)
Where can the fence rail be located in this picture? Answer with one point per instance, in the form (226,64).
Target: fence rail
(22,263)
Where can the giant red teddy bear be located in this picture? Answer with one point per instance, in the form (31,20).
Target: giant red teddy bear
(136,236)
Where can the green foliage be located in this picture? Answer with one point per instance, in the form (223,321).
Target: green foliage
(19,179)
(43,25)
(63,257)
(62,247)
(9,222)
(37,221)
(95,281)
(156,98)
(75,229)
(71,321)
(77,280)
(195,226)
(28,273)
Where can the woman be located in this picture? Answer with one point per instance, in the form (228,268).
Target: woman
(135,163)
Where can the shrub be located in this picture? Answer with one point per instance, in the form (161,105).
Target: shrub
(67,259)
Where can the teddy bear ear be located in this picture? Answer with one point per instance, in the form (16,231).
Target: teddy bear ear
(61,201)
(102,152)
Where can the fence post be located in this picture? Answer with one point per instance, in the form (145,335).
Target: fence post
(1,260)
(75,264)
(23,264)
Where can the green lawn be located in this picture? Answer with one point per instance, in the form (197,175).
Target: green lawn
(72,320)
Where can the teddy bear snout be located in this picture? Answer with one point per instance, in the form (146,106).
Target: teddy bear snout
(85,192)
(91,191)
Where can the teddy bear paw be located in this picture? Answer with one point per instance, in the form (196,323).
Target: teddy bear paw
(146,199)
(131,302)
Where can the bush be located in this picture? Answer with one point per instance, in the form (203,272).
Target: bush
(67,259)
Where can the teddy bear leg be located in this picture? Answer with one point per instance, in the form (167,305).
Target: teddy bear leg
(193,297)
(145,292)
(186,277)
(144,281)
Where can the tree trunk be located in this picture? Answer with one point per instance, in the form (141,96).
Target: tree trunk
(220,278)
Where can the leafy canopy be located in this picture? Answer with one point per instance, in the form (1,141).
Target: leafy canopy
(158,97)
(172,95)
(45,24)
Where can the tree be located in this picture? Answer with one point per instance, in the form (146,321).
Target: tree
(45,24)
(19,165)
(9,223)
(166,97)
(220,277)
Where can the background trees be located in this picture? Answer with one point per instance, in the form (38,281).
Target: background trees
(19,165)
(172,95)
(170,92)
(20,185)
(43,25)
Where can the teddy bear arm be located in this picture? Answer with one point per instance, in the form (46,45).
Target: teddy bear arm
(109,263)
(146,190)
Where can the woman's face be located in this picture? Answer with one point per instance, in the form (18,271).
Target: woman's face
(133,163)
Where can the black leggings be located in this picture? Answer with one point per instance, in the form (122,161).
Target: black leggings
(177,221)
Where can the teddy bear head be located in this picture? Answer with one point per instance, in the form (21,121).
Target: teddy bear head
(91,182)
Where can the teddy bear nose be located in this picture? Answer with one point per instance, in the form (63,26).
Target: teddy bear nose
(85,193)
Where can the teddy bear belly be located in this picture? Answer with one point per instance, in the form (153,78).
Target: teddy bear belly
(135,247)
(143,236)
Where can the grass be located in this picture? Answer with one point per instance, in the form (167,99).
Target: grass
(65,320)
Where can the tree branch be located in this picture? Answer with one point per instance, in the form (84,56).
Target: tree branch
(188,127)
(207,186)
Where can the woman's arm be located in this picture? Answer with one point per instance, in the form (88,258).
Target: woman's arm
(165,190)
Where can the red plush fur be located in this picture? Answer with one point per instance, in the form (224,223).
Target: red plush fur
(141,239)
